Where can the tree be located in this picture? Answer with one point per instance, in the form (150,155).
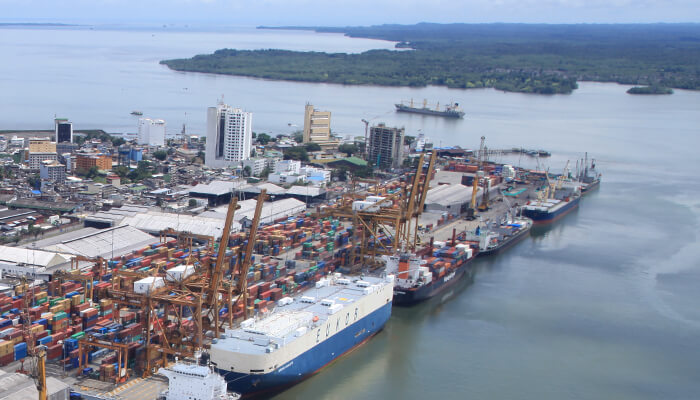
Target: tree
(363,172)
(34,181)
(116,142)
(348,149)
(312,147)
(296,153)
(340,173)
(247,171)
(192,203)
(92,172)
(264,138)
(298,136)
(121,170)
(407,140)
(160,155)
(265,172)
(201,155)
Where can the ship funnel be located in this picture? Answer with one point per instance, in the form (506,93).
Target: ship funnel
(204,358)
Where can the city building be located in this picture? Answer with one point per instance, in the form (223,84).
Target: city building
(286,177)
(287,166)
(256,165)
(85,161)
(53,171)
(317,128)
(386,146)
(316,176)
(41,145)
(151,132)
(63,130)
(229,136)
(35,159)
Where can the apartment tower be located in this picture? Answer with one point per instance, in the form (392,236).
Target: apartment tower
(229,136)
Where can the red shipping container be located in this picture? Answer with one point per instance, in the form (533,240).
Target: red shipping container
(265,295)
(264,287)
(7,359)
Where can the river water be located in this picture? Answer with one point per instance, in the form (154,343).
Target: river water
(602,305)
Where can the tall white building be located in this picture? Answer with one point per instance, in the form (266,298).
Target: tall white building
(151,132)
(229,136)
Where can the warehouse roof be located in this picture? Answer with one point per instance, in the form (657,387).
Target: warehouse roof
(271,210)
(305,191)
(104,242)
(154,222)
(216,188)
(40,258)
(446,195)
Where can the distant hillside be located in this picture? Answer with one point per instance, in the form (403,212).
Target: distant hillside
(531,58)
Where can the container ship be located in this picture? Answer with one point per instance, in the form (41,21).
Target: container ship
(422,275)
(302,334)
(451,110)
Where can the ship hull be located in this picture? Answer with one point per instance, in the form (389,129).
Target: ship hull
(541,217)
(427,111)
(590,187)
(310,362)
(408,297)
(518,237)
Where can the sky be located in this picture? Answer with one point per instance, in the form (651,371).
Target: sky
(348,12)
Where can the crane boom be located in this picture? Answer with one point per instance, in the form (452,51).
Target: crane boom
(242,281)
(213,288)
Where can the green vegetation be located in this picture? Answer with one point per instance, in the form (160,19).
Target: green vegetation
(650,90)
(534,58)
(263,138)
(160,155)
(348,149)
(296,153)
(312,147)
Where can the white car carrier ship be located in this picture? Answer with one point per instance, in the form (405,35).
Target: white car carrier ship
(303,334)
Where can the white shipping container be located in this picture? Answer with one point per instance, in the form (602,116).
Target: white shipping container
(179,273)
(360,205)
(144,285)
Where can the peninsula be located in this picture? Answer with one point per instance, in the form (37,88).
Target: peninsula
(535,58)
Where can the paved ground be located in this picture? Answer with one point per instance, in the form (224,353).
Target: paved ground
(140,389)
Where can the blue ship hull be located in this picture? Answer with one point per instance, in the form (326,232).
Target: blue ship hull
(309,362)
(546,217)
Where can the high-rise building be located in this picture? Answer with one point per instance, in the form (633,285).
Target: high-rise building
(317,125)
(229,136)
(85,161)
(385,146)
(64,130)
(151,132)
(41,145)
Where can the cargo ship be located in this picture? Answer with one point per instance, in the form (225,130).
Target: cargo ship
(302,334)
(451,110)
(422,275)
(589,177)
(546,210)
(494,238)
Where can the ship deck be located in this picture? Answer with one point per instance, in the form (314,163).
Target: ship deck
(286,323)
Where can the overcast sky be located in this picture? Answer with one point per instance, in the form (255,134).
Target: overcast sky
(350,12)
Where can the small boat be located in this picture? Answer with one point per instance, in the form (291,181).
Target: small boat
(135,112)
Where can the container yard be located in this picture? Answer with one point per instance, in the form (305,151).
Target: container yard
(107,324)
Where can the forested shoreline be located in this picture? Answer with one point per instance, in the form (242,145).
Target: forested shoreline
(544,59)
